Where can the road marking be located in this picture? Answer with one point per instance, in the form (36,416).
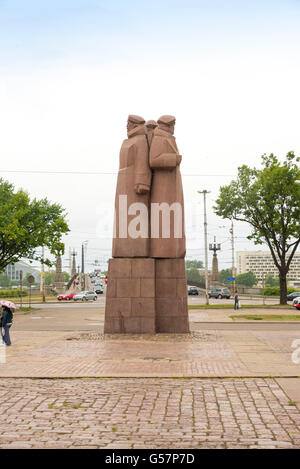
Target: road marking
(42,317)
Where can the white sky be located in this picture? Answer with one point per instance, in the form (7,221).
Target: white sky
(71,72)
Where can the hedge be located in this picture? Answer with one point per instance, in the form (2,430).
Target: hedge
(12,293)
(275,291)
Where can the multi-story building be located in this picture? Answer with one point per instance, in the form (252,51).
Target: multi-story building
(13,271)
(261,264)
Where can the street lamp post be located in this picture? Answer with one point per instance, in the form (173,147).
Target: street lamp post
(204,192)
(232,252)
(42,286)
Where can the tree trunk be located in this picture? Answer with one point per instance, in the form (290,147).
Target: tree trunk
(283,288)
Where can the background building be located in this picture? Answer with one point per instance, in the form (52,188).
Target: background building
(13,271)
(261,264)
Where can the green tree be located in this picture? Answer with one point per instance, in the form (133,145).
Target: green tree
(224,275)
(49,277)
(66,277)
(269,200)
(271,281)
(26,281)
(193,275)
(194,264)
(5,280)
(248,279)
(26,225)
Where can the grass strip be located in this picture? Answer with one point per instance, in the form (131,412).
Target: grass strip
(266,317)
(230,306)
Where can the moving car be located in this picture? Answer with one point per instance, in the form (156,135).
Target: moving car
(99,290)
(193,291)
(219,293)
(85,296)
(66,296)
(293,295)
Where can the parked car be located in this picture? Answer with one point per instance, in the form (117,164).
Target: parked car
(293,295)
(296,302)
(219,293)
(99,290)
(66,296)
(193,291)
(85,296)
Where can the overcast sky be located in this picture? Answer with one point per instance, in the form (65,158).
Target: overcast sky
(72,70)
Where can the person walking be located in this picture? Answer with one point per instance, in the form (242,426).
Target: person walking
(7,317)
(236,300)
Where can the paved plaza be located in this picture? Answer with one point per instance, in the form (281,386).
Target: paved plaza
(225,385)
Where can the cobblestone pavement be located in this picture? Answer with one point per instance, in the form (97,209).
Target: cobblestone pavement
(147,413)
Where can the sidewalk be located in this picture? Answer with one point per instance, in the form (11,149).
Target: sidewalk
(209,353)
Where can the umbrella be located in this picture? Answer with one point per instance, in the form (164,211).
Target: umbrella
(9,304)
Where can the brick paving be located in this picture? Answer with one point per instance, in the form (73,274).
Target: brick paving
(147,413)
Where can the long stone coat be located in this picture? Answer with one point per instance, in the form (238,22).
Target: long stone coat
(134,169)
(166,187)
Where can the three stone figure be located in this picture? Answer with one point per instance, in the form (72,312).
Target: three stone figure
(146,290)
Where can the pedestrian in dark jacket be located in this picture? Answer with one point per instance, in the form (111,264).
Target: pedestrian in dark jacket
(7,317)
(236,300)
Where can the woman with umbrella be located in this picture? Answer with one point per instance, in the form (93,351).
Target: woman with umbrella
(6,320)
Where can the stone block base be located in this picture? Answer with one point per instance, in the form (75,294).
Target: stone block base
(146,295)
(130,296)
(171,310)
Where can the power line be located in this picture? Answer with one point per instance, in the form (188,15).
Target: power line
(97,173)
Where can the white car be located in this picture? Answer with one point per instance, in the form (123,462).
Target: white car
(85,296)
(296,301)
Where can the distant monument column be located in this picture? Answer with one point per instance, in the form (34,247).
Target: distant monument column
(73,269)
(215,271)
(59,283)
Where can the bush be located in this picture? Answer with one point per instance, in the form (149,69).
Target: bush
(12,293)
(275,291)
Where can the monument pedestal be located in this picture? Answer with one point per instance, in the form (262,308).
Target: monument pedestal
(146,295)
(130,296)
(171,296)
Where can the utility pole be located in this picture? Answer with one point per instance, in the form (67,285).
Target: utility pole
(21,285)
(232,249)
(204,192)
(82,258)
(43,276)
(263,286)
(83,246)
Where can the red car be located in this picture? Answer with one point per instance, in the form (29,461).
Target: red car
(66,296)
